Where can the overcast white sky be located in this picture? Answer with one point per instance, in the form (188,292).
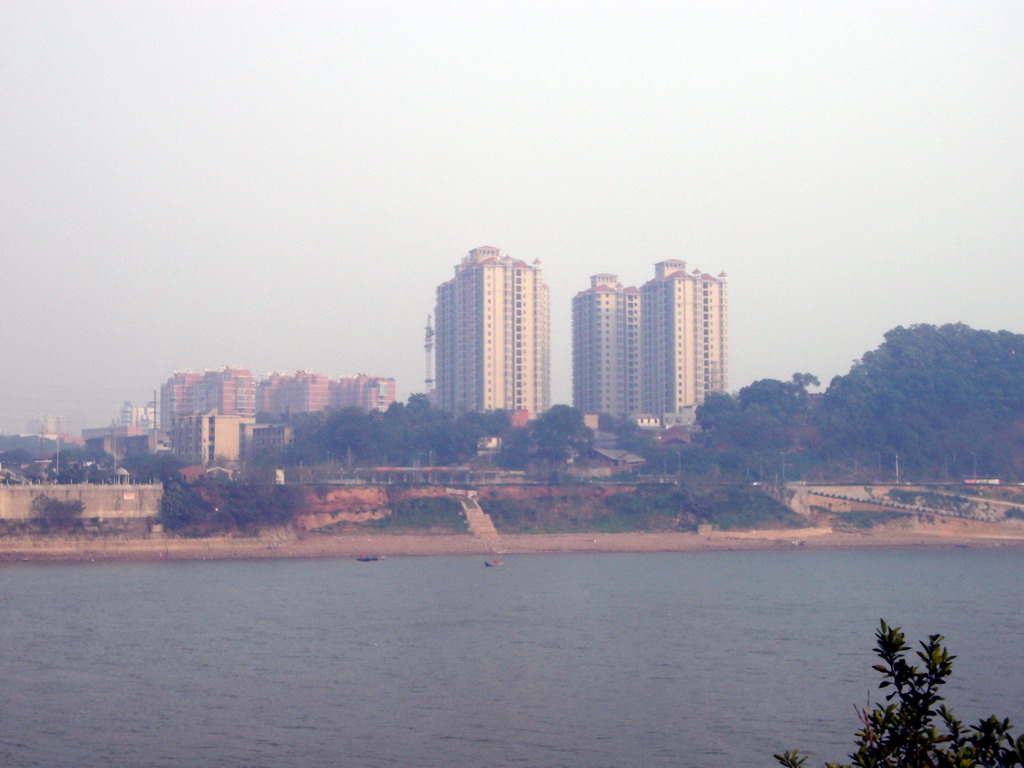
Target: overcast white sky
(282,185)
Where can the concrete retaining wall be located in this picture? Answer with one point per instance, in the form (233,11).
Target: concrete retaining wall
(107,502)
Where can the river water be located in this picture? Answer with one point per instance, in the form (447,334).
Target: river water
(692,659)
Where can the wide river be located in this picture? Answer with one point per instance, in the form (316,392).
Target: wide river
(694,659)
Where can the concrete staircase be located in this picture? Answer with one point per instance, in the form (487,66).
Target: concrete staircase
(479,522)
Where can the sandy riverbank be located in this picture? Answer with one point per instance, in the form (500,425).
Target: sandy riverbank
(946,533)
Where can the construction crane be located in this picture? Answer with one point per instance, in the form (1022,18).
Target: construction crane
(428,346)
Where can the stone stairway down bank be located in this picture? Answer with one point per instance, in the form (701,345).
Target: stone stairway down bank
(479,522)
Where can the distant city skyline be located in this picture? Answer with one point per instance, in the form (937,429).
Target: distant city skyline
(283,187)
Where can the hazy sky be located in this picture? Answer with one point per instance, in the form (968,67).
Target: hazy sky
(283,185)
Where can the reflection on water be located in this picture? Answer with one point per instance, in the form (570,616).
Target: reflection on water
(695,659)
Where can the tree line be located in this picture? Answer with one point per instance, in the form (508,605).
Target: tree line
(937,403)
(931,403)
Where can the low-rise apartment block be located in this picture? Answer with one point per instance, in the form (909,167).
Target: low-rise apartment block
(202,438)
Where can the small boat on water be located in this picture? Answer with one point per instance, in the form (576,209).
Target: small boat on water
(368,558)
(495,563)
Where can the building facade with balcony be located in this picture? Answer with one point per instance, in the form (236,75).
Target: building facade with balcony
(492,336)
(653,354)
(606,348)
(684,338)
(203,438)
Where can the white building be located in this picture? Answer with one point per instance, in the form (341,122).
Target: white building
(492,336)
(202,438)
(606,348)
(656,352)
(684,338)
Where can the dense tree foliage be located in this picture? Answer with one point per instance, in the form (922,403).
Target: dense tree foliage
(768,415)
(914,729)
(33,445)
(82,464)
(15,456)
(406,434)
(557,436)
(153,467)
(947,398)
(221,507)
(54,514)
(941,402)
(414,433)
(760,432)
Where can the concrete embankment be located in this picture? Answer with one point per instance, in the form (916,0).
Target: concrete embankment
(102,502)
(948,501)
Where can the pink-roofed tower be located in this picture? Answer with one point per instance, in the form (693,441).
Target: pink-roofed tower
(606,348)
(684,338)
(492,336)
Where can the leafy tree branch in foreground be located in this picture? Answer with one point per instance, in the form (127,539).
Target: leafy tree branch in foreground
(914,729)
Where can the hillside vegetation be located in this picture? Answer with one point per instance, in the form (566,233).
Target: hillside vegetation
(644,508)
(931,403)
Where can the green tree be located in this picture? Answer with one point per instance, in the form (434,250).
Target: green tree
(153,467)
(55,514)
(559,434)
(406,434)
(766,417)
(914,729)
(942,397)
(15,456)
(515,450)
(182,507)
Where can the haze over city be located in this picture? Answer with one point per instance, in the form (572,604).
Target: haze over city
(279,187)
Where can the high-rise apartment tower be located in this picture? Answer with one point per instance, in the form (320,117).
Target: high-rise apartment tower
(657,351)
(606,348)
(684,338)
(492,336)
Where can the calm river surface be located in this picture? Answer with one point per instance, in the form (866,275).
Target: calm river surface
(694,659)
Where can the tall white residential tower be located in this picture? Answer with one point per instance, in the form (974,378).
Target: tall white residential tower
(684,338)
(606,348)
(492,336)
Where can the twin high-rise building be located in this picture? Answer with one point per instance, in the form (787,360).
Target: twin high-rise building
(655,351)
(492,336)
